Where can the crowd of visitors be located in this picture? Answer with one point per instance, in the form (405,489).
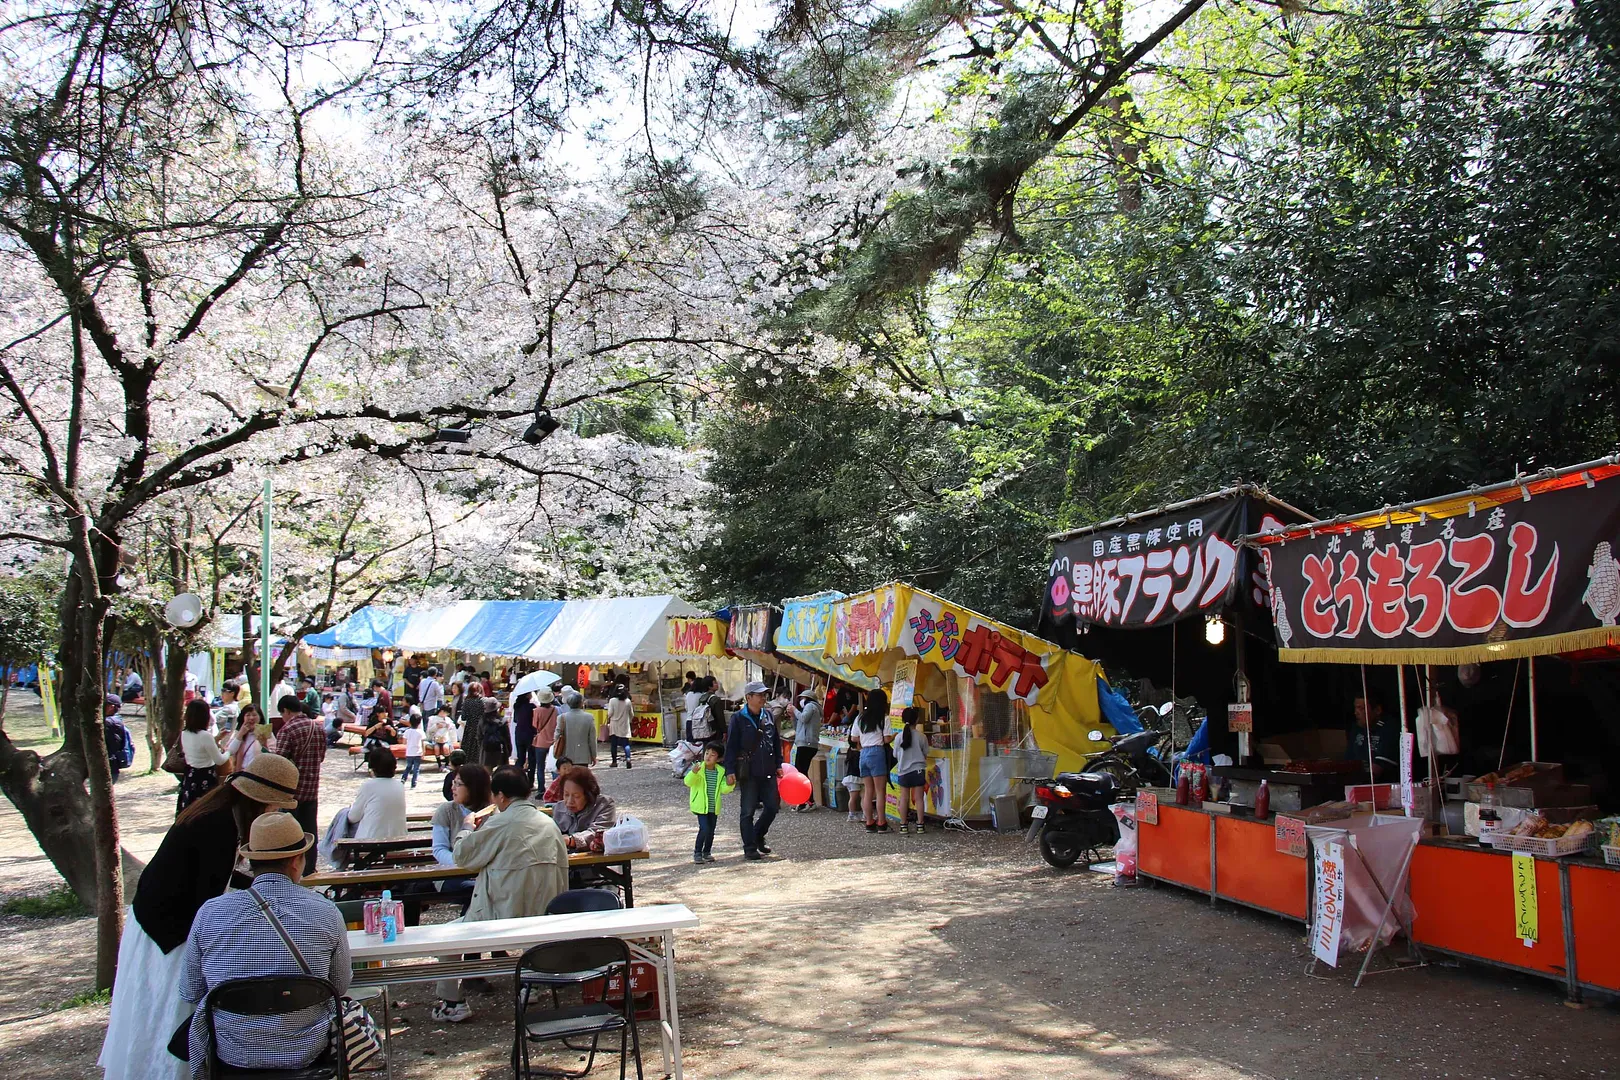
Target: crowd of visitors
(223,899)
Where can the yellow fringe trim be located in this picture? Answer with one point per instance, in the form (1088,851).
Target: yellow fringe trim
(1594,638)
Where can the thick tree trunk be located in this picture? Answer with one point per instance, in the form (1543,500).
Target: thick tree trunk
(84,613)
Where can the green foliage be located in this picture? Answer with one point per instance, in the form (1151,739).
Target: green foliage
(88,997)
(28,618)
(58,902)
(1358,258)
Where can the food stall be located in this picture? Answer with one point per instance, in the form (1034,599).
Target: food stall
(1507,572)
(591,644)
(623,638)
(801,646)
(998,704)
(1171,604)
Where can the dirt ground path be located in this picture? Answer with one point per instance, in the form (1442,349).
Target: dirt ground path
(941,956)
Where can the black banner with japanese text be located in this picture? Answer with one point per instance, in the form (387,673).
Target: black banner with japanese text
(1505,576)
(1154,570)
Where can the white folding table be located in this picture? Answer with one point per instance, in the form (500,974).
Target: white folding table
(437,950)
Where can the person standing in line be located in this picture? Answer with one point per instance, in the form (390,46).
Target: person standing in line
(874,761)
(537,752)
(911,767)
(230,708)
(193,864)
(301,740)
(203,755)
(523,709)
(470,715)
(429,694)
(620,712)
(496,736)
(385,697)
(806,736)
(413,748)
(576,733)
(753,764)
(708,782)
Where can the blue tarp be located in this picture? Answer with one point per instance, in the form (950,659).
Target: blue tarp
(1116,710)
(368,628)
(507,627)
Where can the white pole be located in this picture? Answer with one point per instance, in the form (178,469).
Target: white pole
(1534,753)
(1400,682)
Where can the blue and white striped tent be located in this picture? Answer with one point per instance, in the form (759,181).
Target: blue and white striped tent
(614,630)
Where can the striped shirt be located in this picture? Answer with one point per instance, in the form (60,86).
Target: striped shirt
(232,939)
(712,777)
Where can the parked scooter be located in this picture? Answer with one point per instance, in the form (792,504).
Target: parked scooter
(1137,760)
(1072,812)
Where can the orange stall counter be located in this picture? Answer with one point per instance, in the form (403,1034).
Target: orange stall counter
(1177,849)
(1250,870)
(1594,893)
(1463,898)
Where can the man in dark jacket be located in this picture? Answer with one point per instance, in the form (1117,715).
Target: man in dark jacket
(753,762)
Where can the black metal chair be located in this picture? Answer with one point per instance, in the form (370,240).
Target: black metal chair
(574,901)
(574,964)
(275,995)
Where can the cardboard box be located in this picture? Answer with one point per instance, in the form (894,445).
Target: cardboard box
(1316,745)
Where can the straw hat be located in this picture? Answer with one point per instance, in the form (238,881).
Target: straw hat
(269,779)
(276,836)
(545,697)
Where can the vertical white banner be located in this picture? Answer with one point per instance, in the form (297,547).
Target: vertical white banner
(1328,921)
(1408,796)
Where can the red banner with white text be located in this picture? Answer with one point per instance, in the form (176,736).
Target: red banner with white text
(1520,572)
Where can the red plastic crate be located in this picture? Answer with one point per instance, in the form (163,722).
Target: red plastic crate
(643,985)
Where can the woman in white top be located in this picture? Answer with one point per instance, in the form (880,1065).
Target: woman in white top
(245,743)
(873,733)
(203,755)
(620,712)
(378,809)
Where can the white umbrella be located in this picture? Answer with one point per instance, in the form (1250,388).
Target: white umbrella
(534,680)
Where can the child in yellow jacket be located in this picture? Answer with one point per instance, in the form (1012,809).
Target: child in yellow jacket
(708,782)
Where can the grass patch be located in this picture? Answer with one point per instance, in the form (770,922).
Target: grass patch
(86,997)
(59,902)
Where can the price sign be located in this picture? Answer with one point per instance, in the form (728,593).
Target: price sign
(1526,925)
(1240,718)
(1291,836)
(1147,808)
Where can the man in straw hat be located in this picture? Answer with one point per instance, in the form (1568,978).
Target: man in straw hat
(235,937)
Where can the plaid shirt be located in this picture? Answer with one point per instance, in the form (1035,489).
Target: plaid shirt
(303,742)
(232,939)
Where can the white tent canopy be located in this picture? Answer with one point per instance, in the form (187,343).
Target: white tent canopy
(432,629)
(621,630)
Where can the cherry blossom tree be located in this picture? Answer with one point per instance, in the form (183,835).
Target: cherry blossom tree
(221,268)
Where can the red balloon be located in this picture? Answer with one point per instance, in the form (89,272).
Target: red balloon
(794,787)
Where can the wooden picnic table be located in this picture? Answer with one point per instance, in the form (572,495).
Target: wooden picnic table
(350,884)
